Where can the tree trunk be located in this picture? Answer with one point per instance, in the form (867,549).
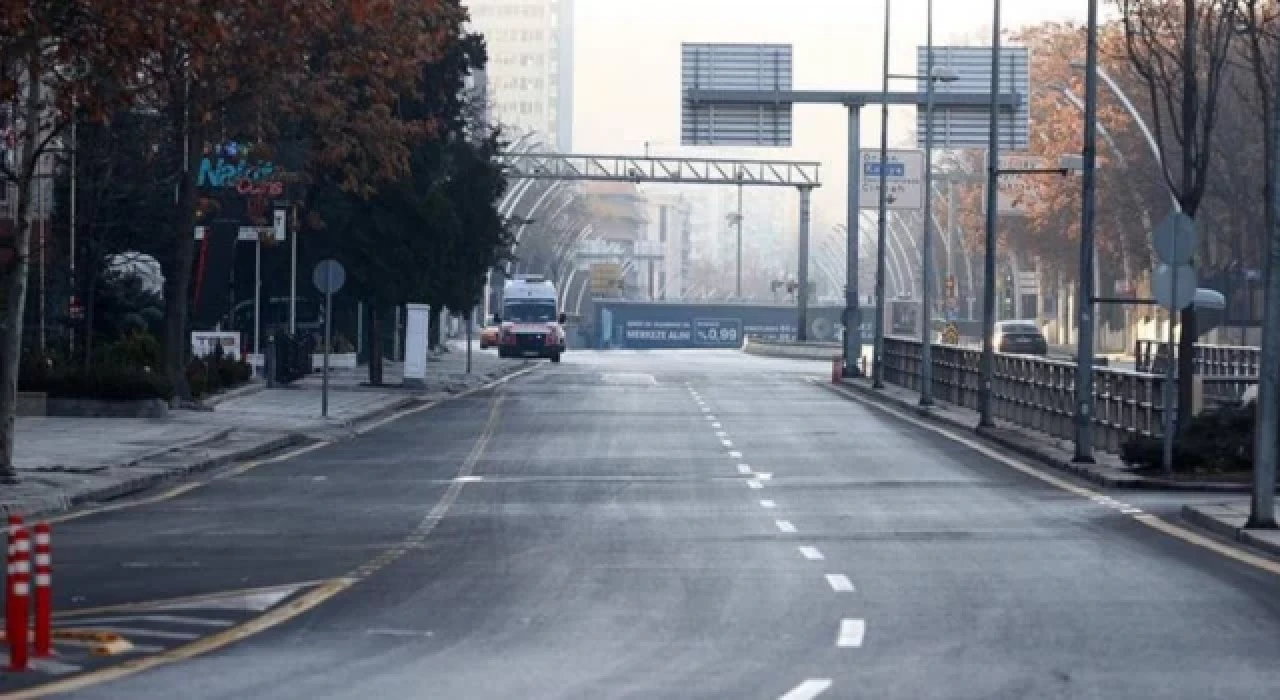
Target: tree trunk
(433,329)
(375,344)
(16,284)
(177,280)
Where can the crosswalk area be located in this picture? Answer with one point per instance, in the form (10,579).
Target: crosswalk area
(84,640)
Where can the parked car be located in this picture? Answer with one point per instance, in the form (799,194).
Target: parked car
(1020,337)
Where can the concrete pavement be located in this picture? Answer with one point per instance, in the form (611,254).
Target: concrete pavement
(668,524)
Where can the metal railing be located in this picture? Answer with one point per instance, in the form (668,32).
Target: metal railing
(1210,360)
(1034,392)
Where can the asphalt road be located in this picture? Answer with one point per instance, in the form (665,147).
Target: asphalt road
(679,525)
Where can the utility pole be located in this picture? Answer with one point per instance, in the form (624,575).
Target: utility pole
(926,266)
(985,398)
(882,223)
(1262,511)
(1084,301)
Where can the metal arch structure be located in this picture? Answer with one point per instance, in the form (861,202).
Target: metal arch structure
(802,175)
(655,169)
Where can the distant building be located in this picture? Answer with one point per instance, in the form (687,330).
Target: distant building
(530,70)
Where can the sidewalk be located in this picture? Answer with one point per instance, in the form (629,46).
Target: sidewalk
(67,462)
(1228,519)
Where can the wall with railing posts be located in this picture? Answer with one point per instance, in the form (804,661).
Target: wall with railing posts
(1036,393)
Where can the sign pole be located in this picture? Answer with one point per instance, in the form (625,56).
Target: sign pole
(1170,373)
(257,296)
(328,340)
(1088,270)
(802,297)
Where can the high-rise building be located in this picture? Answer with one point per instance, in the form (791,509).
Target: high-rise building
(530,70)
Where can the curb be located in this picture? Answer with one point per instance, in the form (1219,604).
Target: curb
(1003,438)
(60,504)
(254,386)
(1197,517)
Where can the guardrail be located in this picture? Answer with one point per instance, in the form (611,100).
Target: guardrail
(1036,393)
(1210,360)
(793,349)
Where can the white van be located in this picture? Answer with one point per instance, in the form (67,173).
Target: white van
(530,324)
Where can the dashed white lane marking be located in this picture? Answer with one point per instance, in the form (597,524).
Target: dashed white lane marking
(51,667)
(785,525)
(721,434)
(744,468)
(1131,511)
(766,503)
(726,443)
(811,553)
(716,425)
(710,417)
(851,633)
(808,690)
(470,479)
(706,409)
(735,454)
(752,483)
(840,583)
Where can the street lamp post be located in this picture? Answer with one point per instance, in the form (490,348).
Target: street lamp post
(926,271)
(1085,299)
(989,262)
(882,222)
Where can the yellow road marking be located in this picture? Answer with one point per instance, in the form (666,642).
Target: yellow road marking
(1154,522)
(289,610)
(204,645)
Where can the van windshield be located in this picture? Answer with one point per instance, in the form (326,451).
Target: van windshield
(530,312)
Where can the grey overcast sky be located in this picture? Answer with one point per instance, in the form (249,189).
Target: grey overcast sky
(627,63)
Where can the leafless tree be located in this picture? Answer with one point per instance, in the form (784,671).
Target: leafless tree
(1180,50)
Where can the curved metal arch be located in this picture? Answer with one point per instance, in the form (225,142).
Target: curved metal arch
(892,265)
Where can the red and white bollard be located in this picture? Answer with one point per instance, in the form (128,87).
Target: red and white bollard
(12,615)
(19,595)
(42,644)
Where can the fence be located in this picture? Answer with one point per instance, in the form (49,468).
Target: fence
(1210,360)
(1036,393)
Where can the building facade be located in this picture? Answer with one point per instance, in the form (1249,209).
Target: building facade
(530,70)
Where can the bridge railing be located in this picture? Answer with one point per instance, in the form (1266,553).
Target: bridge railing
(1210,360)
(1036,393)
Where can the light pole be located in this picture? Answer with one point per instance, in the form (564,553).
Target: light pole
(1084,300)
(926,271)
(985,418)
(882,222)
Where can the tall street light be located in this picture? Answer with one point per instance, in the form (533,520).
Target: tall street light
(882,222)
(989,261)
(1085,299)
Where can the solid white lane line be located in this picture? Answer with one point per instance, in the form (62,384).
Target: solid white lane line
(840,583)
(744,468)
(811,553)
(785,525)
(851,633)
(735,454)
(766,503)
(135,632)
(176,619)
(808,690)
(752,483)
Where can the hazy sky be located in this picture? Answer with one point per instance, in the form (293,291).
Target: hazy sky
(627,63)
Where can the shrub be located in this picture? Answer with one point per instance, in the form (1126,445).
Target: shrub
(216,371)
(105,383)
(138,350)
(1220,440)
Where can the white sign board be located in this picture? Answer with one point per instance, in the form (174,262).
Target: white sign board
(1017,194)
(904,176)
(204,342)
(415,344)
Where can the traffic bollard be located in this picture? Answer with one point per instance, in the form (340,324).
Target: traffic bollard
(18,602)
(42,644)
(11,613)
(837,369)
